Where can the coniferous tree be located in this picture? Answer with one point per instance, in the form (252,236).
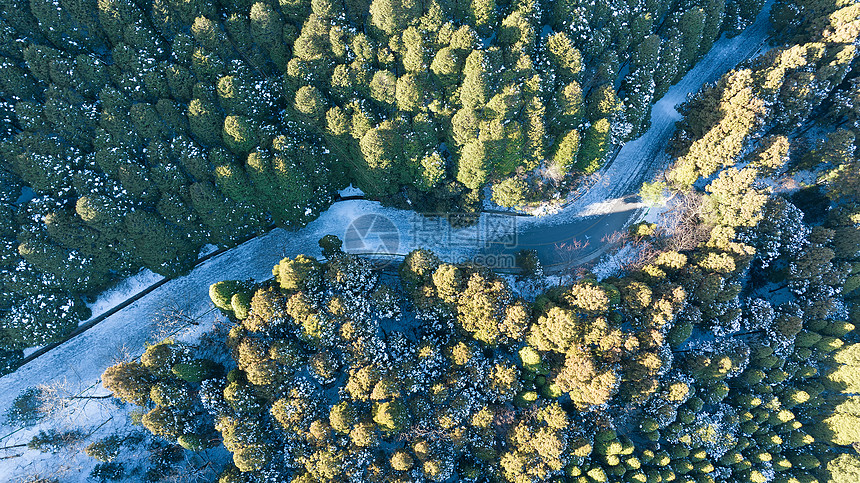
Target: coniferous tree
(691,26)
(594,146)
(668,63)
(267,108)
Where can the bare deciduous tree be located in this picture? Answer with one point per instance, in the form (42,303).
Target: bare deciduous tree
(173,317)
(683,224)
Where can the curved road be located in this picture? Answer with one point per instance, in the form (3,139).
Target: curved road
(366,226)
(611,204)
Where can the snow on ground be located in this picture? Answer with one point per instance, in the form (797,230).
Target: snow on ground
(487,42)
(27,194)
(612,205)
(654,213)
(612,264)
(350,191)
(787,184)
(805,178)
(96,417)
(206,250)
(80,361)
(545,31)
(610,194)
(530,288)
(122,291)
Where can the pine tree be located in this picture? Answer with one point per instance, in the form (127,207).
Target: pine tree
(473,165)
(155,245)
(669,62)
(414,59)
(733,201)
(483,15)
(410,93)
(72,25)
(72,269)
(595,144)
(239,134)
(446,65)
(383,88)
(690,26)
(266,26)
(214,50)
(601,103)
(225,220)
(101,213)
(566,150)
(474,91)
(231,178)
(129,381)
(714,15)
(838,152)
(389,16)
(205,122)
(564,57)
(844,468)
(569,102)
(772,155)
(510,192)
(309,102)
(639,94)
(639,86)
(740,14)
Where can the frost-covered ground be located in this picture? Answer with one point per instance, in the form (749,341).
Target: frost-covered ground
(350,191)
(80,361)
(365,226)
(123,291)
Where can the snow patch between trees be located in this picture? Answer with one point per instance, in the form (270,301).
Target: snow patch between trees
(121,292)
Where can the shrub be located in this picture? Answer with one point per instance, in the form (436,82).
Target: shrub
(196,370)
(221,293)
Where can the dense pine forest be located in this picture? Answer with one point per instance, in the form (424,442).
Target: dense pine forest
(725,350)
(150,129)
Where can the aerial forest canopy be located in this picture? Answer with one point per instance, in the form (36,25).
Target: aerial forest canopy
(680,370)
(149,129)
(726,353)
